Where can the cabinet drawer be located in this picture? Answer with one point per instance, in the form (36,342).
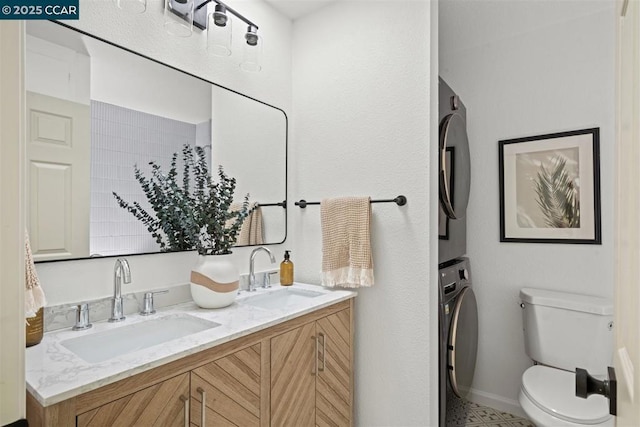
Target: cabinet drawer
(159,405)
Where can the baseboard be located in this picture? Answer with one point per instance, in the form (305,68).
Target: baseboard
(496,402)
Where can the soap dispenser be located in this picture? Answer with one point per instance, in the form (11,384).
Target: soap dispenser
(286,270)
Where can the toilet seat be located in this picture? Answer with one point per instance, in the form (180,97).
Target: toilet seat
(553,391)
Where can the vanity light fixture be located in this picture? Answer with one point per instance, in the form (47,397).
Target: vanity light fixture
(219,32)
(252,35)
(218,27)
(220,17)
(178,17)
(252,52)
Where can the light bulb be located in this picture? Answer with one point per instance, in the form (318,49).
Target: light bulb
(252,52)
(178,17)
(219,30)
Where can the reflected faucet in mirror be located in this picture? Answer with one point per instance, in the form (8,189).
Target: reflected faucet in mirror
(121,273)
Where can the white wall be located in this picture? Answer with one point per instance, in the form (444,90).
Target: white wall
(72,281)
(130,81)
(527,68)
(57,71)
(362,127)
(252,136)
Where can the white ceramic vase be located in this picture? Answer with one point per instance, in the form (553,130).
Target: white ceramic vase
(214,281)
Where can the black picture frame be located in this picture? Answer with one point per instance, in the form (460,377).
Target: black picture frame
(550,188)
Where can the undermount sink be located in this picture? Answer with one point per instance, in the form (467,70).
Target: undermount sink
(281,298)
(108,344)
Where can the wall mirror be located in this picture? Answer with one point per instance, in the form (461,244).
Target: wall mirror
(94,110)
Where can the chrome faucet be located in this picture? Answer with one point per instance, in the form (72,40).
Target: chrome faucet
(82,317)
(121,272)
(252,275)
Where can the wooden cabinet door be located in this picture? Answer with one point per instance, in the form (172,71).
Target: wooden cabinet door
(159,405)
(293,378)
(333,383)
(231,390)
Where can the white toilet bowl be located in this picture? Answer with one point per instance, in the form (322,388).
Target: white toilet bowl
(547,396)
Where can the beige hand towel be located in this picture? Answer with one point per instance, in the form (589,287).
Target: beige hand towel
(251,232)
(346,242)
(34,297)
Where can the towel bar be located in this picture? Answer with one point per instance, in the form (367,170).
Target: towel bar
(281,204)
(400,201)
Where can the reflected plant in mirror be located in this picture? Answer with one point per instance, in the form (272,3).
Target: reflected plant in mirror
(196,213)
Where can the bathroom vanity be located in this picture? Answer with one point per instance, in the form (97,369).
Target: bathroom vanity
(275,357)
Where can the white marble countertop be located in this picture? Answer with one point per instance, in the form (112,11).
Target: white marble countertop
(54,373)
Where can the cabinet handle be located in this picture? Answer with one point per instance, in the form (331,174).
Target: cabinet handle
(324,351)
(185,400)
(204,405)
(315,356)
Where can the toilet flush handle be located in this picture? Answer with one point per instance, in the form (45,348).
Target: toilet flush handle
(587,385)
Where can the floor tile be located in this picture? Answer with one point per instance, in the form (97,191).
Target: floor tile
(462,413)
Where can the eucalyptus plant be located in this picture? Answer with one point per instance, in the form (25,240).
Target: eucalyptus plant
(193,214)
(558,195)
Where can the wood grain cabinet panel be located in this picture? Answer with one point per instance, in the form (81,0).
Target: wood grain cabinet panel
(231,390)
(293,377)
(311,374)
(158,405)
(333,382)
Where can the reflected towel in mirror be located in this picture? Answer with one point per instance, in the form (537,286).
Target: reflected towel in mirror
(252,230)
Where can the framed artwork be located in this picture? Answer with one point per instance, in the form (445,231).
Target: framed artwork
(550,188)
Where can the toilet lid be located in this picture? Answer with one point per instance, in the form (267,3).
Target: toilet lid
(554,391)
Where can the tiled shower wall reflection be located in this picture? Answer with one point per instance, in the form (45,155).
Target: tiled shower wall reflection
(121,138)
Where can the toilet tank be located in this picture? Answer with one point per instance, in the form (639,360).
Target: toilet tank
(567,330)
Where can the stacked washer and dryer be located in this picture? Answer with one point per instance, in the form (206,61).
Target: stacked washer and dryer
(458,312)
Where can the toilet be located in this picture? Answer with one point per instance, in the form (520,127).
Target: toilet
(562,332)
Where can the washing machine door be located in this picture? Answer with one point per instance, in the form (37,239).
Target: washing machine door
(463,342)
(455,166)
